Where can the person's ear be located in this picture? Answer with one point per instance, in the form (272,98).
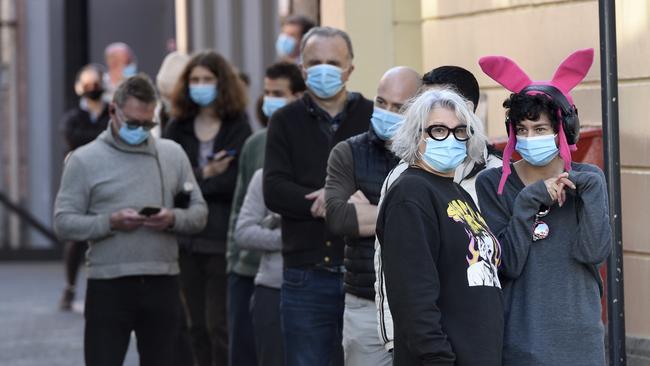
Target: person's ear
(348,72)
(78,89)
(303,71)
(111,109)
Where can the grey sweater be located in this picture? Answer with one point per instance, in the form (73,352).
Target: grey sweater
(108,175)
(259,229)
(551,287)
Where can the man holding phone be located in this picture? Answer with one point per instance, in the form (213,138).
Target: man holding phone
(118,193)
(149,211)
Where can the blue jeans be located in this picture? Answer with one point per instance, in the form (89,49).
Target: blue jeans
(311,306)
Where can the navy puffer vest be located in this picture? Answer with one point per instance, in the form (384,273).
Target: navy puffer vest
(372,162)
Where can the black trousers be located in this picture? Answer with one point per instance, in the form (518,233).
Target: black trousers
(204,285)
(148,305)
(241,337)
(265,309)
(73,256)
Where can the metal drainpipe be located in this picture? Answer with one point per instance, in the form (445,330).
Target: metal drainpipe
(3,77)
(610,101)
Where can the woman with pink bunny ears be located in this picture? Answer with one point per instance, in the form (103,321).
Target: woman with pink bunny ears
(551,218)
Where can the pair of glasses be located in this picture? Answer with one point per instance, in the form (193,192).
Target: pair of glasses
(134,124)
(441,132)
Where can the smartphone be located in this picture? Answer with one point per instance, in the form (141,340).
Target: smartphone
(149,211)
(229,152)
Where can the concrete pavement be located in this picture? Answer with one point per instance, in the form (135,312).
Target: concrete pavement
(33,332)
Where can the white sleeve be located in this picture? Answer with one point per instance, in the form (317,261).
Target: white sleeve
(384,317)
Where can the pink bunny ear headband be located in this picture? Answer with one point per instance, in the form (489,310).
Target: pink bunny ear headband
(570,72)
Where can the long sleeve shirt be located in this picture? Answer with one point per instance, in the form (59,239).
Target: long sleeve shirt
(241,261)
(298,145)
(218,190)
(106,176)
(551,286)
(440,264)
(258,229)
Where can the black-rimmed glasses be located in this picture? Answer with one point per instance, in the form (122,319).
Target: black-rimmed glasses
(441,132)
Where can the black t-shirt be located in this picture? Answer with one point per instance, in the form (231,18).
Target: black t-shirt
(440,262)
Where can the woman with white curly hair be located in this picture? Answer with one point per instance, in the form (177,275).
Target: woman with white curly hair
(443,293)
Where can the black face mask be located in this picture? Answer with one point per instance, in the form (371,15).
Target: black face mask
(93,94)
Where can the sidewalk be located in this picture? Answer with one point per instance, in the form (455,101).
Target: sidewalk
(33,332)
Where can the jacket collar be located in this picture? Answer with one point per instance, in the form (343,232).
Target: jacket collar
(315,109)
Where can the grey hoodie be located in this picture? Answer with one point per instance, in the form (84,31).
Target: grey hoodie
(551,287)
(108,175)
(259,229)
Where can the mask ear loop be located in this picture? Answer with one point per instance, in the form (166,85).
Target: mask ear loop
(507,154)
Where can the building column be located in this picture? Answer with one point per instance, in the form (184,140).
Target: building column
(395,25)
(45,35)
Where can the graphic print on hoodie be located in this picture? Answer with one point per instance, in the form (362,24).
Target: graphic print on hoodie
(484,249)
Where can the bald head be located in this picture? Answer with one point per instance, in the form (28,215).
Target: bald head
(396,87)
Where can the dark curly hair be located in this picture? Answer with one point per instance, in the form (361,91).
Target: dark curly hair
(521,107)
(231,93)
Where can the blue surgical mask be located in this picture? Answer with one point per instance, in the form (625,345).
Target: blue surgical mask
(134,136)
(285,45)
(385,123)
(130,70)
(538,150)
(272,104)
(203,94)
(324,80)
(446,155)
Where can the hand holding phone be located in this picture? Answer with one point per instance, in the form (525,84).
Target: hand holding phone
(223,154)
(162,220)
(219,163)
(126,219)
(149,211)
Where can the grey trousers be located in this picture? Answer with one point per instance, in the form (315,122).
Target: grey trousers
(361,343)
